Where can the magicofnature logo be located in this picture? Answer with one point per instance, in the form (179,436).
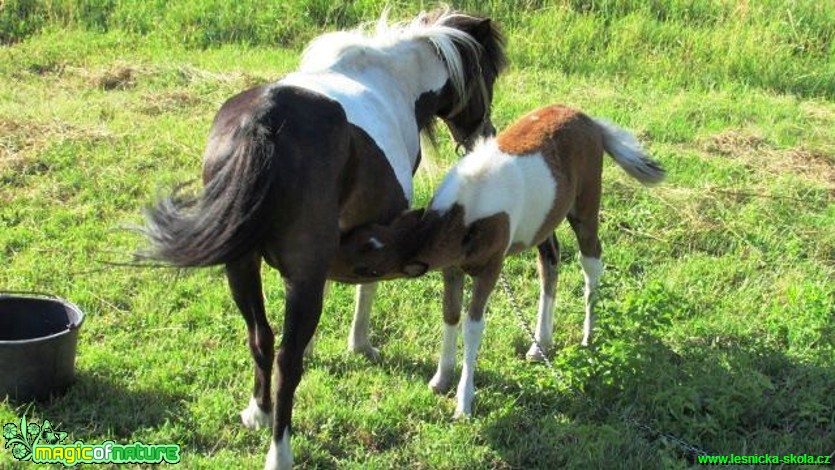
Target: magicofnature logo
(22,440)
(42,444)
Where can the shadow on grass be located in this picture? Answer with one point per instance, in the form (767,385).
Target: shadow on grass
(726,394)
(419,369)
(96,405)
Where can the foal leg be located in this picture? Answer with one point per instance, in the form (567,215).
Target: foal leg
(585,227)
(548,257)
(358,338)
(473,328)
(453,294)
(244,278)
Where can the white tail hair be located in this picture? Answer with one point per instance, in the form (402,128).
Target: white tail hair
(628,154)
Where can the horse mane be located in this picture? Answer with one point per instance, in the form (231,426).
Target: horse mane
(449,32)
(479,56)
(482,59)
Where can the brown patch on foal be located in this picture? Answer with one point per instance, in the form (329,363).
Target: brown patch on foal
(562,135)
(530,132)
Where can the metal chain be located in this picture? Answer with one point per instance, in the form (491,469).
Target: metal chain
(681,443)
(518,311)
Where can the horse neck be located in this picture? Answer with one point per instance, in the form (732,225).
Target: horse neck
(401,72)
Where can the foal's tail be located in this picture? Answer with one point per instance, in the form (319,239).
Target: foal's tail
(229,218)
(627,152)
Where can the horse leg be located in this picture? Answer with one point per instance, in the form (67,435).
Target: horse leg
(453,294)
(303,307)
(548,257)
(585,225)
(244,278)
(483,285)
(358,339)
(308,350)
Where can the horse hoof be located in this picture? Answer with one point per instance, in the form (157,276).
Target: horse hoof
(370,352)
(254,417)
(439,385)
(280,456)
(535,354)
(462,415)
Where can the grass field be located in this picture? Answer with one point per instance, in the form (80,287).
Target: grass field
(717,310)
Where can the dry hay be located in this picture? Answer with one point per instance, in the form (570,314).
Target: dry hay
(157,103)
(119,76)
(757,154)
(21,141)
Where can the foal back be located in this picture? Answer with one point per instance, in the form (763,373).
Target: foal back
(571,144)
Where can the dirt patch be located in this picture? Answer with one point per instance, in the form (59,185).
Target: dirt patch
(14,144)
(191,75)
(21,141)
(158,103)
(734,143)
(759,155)
(813,161)
(119,77)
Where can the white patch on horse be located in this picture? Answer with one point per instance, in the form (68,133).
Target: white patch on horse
(280,456)
(253,417)
(488,181)
(473,330)
(544,326)
(358,341)
(375,77)
(592,270)
(441,380)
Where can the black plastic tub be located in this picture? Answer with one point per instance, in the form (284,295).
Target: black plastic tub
(38,337)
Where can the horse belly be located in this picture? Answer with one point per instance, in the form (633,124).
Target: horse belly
(371,190)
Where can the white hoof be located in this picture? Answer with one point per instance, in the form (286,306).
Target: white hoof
(254,417)
(464,408)
(370,352)
(280,457)
(535,354)
(440,382)
(464,413)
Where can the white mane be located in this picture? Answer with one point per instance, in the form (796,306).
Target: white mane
(351,48)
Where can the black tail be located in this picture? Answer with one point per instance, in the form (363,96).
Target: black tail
(229,219)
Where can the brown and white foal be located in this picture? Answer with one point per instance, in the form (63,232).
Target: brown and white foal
(507,195)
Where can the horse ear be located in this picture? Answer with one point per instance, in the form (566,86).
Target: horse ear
(482,30)
(415,269)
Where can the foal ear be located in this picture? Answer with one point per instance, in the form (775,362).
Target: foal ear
(409,219)
(481,235)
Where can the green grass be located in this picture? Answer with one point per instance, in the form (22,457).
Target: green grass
(717,317)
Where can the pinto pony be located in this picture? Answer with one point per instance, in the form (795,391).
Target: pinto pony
(292,166)
(507,195)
